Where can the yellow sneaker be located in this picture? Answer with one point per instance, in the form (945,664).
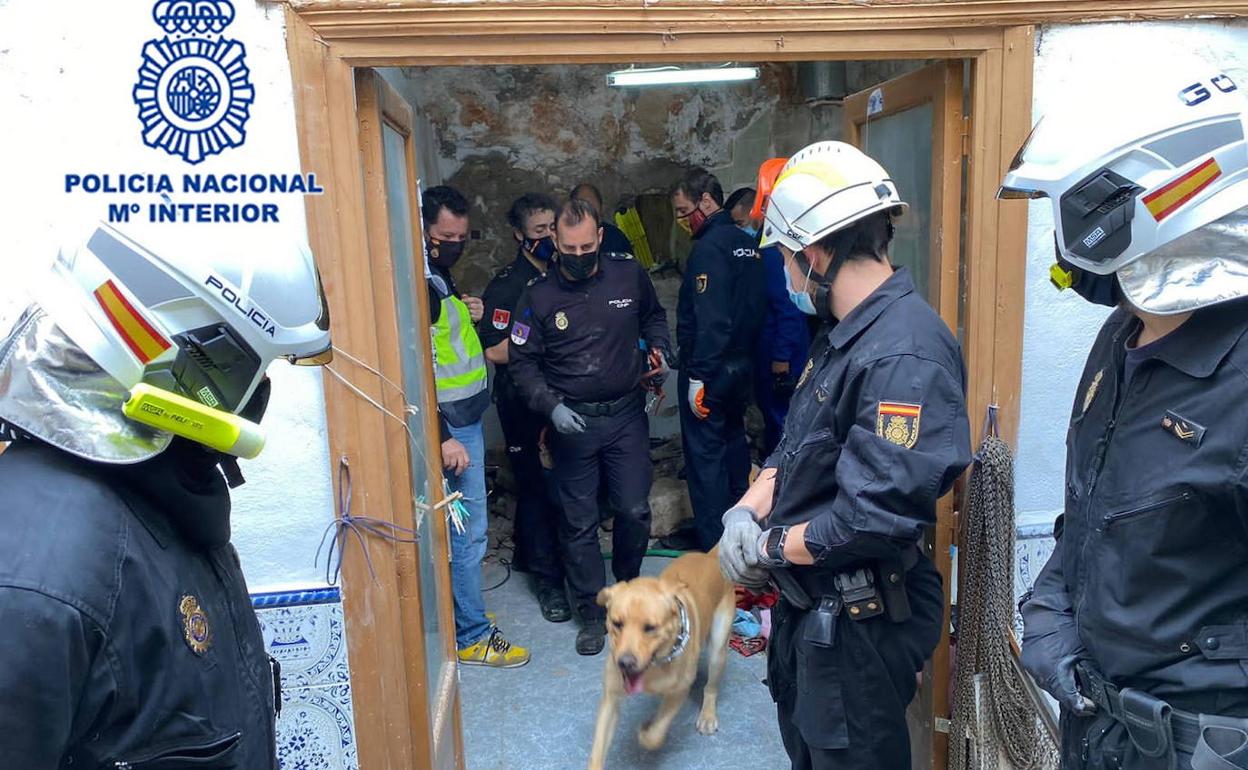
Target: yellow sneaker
(494,651)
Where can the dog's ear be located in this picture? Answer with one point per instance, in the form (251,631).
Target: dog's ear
(604,596)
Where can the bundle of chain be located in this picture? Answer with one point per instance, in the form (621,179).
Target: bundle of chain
(1007,720)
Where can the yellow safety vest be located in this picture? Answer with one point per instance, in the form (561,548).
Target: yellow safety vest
(458,361)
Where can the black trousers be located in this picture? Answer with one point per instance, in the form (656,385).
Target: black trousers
(537,517)
(616,448)
(717,460)
(844,707)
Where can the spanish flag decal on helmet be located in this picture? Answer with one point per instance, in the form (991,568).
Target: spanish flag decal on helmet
(898,423)
(1170,197)
(140,336)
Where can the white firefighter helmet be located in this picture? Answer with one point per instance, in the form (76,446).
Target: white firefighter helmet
(1148,178)
(201,313)
(825,187)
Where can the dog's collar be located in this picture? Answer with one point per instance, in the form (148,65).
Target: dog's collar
(682,638)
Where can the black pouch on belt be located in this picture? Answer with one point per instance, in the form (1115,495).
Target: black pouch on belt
(821,623)
(1147,719)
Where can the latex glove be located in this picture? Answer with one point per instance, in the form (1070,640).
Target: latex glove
(454,457)
(476,308)
(658,368)
(1064,686)
(738,548)
(697,393)
(567,421)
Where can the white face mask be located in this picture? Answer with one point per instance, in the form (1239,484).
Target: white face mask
(800,299)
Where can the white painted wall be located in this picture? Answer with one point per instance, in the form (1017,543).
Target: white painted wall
(1059,328)
(66,74)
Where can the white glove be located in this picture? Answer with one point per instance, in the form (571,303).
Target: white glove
(697,392)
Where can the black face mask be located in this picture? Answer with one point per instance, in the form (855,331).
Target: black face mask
(541,248)
(445,254)
(578,267)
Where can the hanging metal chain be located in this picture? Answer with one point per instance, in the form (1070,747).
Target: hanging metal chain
(1006,720)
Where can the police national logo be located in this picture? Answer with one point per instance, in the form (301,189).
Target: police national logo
(898,423)
(195,628)
(194,92)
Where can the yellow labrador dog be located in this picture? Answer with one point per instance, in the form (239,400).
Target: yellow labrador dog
(658,627)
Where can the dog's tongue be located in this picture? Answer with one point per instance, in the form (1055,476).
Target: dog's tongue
(632,684)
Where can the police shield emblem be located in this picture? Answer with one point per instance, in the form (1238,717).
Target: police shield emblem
(1090,396)
(519,333)
(810,364)
(699,282)
(501,318)
(195,628)
(898,423)
(561,320)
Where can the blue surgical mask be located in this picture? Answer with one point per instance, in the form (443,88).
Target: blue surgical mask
(800,299)
(749,230)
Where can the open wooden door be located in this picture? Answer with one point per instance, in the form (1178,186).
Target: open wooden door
(392,209)
(913,125)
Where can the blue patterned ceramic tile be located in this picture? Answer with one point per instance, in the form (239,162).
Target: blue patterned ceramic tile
(315,730)
(1030,556)
(309,641)
(324,595)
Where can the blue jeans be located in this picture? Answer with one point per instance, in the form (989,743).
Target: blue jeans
(468,547)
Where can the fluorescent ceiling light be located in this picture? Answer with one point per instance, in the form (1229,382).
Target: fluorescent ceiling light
(666,76)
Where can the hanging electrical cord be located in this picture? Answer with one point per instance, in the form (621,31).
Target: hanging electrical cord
(1001,717)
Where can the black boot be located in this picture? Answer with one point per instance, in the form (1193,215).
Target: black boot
(592,636)
(553,600)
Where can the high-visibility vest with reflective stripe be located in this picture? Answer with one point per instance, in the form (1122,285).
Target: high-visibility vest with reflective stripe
(458,361)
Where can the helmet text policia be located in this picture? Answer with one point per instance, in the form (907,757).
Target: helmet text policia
(1149,180)
(185,324)
(825,187)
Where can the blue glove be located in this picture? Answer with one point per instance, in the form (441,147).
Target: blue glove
(567,421)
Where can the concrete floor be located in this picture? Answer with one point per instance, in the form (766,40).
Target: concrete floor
(541,717)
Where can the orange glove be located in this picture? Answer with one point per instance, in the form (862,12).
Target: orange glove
(697,393)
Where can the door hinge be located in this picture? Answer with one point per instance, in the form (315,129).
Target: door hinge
(943,725)
(966,137)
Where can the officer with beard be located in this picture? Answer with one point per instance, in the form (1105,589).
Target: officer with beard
(575,358)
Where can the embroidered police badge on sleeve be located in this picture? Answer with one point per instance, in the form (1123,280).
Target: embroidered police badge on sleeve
(519,333)
(195,627)
(699,282)
(501,318)
(898,423)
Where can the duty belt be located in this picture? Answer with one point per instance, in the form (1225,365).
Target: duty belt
(606,408)
(1158,730)
(864,593)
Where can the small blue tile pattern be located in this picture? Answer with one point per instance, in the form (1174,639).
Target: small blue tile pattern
(305,632)
(1032,548)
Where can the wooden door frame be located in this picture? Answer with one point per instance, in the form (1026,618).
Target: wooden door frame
(326,39)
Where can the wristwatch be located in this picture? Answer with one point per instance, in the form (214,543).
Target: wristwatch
(771,546)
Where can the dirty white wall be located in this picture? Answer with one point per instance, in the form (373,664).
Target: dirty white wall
(66,74)
(1059,328)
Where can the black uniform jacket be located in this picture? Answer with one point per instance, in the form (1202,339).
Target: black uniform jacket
(1151,565)
(125,643)
(500,297)
(579,340)
(721,308)
(877,430)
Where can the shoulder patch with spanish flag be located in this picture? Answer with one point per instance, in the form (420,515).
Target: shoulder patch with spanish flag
(898,423)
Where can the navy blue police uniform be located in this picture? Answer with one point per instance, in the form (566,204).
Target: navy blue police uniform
(877,431)
(720,311)
(1148,583)
(537,516)
(578,343)
(614,241)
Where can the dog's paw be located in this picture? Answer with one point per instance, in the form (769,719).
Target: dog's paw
(708,724)
(651,738)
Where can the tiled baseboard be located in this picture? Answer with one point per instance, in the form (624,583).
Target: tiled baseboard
(1032,548)
(305,632)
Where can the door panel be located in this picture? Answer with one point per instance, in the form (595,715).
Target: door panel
(913,125)
(392,208)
